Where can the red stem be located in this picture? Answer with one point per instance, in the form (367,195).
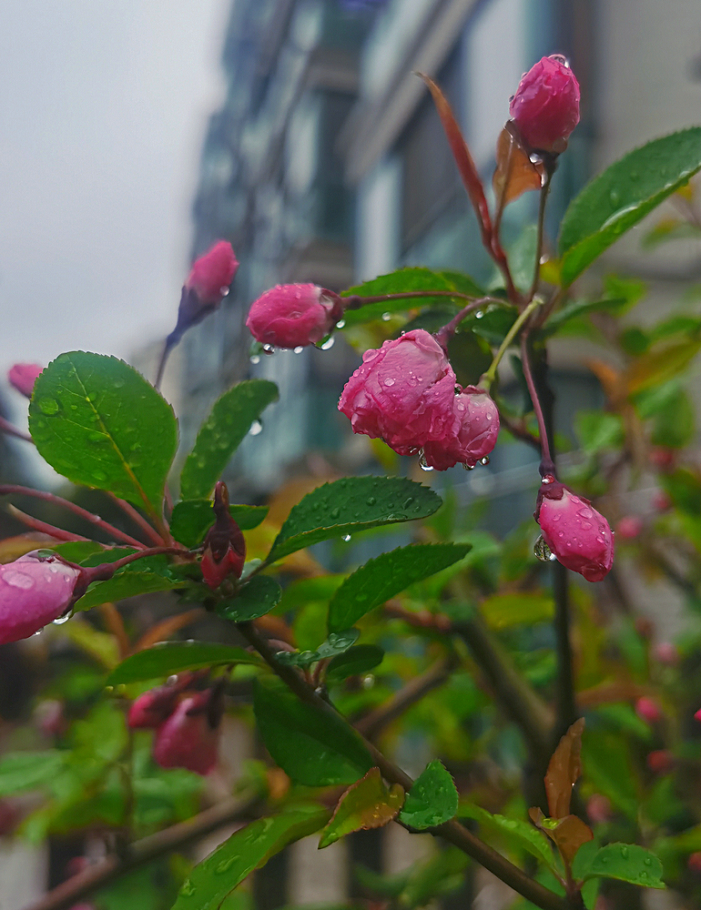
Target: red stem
(546,458)
(443,335)
(11,430)
(107,569)
(138,519)
(9,488)
(44,527)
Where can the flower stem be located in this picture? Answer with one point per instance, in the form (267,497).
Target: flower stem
(491,373)
(11,430)
(546,465)
(545,189)
(443,335)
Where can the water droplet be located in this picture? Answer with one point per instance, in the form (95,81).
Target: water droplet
(423,464)
(48,406)
(99,476)
(585,513)
(268,349)
(484,460)
(298,349)
(335,513)
(386,317)
(614,197)
(341,324)
(256,428)
(549,478)
(255,359)
(346,537)
(96,437)
(468,467)
(371,500)
(224,291)
(541,550)
(389,382)
(328,344)
(648,861)
(361,598)
(187,888)
(479,314)
(624,852)
(61,619)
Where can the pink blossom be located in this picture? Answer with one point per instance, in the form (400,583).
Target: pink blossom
(152,708)
(662,458)
(599,809)
(694,862)
(629,527)
(34,591)
(546,104)
(474,433)
(648,710)
(660,761)
(213,272)
(22,377)
(667,653)
(293,315)
(661,501)
(578,535)
(188,739)
(403,393)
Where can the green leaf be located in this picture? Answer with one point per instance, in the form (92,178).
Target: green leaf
(366,804)
(661,363)
(522,834)
(336,643)
(577,308)
(402,281)
(248,849)
(21,771)
(176,657)
(352,504)
(192,518)
(99,423)
(503,611)
(598,430)
(623,195)
(387,575)
(355,662)
(627,862)
(221,434)
(313,746)
(256,598)
(432,800)
(127,582)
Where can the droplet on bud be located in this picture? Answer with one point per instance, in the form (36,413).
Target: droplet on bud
(423,464)
(549,478)
(268,349)
(255,359)
(346,537)
(328,344)
(298,349)
(542,551)
(468,467)
(484,460)
(61,619)
(341,324)
(256,428)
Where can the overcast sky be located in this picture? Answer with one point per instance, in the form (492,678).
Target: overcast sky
(103,108)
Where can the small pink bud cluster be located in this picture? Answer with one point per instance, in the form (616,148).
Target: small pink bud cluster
(578,535)
(404,393)
(205,287)
(35,591)
(187,724)
(22,377)
(294,315)
(545,107)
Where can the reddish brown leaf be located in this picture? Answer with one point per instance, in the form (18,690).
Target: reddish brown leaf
(563,770)
(515,173)
(463,159)
(368,803)
(568,833)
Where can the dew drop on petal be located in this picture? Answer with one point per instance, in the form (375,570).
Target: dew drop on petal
(423,464)
(541,550)
(328,344)
(268,349)
(299,349)
(484,460)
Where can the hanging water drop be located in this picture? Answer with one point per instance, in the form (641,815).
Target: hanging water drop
(256,428)
(298,349)
(484,460)
(341,324)
(61,619)
(423,464)
(328,344)
(542,551)
(386,317)
(255,359)
(268,349)
(346,537)
(468,467)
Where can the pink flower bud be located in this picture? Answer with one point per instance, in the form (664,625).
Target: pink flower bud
(224,546)
(660,761)
(22,377)
(697,715)
(662,458)
(648,710)
(599,809)
(629,527)
(293,315)
(34,591)
(546,104)
(403,393)
(667,653)
(475,432)
(188,738)
(660,501)
(212,273)
(152,708)
(50,718)
(694,862)
(578,535)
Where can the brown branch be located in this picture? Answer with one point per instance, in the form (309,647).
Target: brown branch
(143,852)
(451,831)
(370,725)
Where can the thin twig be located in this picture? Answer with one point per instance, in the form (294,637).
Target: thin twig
(138,519)
(538,410)
(11,430)
(443,335)
(36,525)
(565,695)
(6,489)
(451,831)
(143,852)
(545,189)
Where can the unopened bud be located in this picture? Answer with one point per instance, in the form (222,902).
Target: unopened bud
(189,738)
(629,527)
(34,591)
(294,315)
(648,710)
(545,107)
(224,546)
(22,377)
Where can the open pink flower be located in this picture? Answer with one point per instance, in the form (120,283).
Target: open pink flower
(293,315)
(22,377)
(578,535)
(34,591)
(189,738)
(474,433)
(403,393)
(546,104)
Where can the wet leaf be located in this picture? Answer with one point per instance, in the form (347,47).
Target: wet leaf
(432,800)
(515,173)
(623,195)
(337,643)
(626,862)
(355,662)
(192,518)
(177,657)
(352,504)
(519,832)
(387,575)
(313,746)
(250,848)
(221,434)
(20,771)
(130,581)
(99,423)
(563,771)
(368,803)
(256,598)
